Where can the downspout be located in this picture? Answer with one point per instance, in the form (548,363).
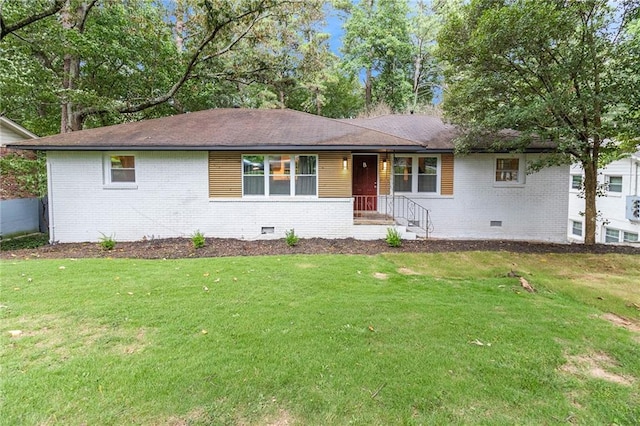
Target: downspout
(635,189)
(52,238)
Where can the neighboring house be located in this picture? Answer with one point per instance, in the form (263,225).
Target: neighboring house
(10,131)
(253,174)
(18,208)
(619,205)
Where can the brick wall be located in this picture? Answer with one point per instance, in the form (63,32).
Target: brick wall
(171,199)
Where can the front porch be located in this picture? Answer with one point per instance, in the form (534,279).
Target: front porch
(391,210)
(361,217)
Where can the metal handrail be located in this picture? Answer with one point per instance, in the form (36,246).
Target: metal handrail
(416,215)
(396,206)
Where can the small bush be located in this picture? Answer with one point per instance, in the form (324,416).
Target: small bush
(198,240)
(394,239)
(291,238)
(107,242)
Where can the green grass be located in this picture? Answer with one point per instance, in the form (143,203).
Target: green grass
(392,339)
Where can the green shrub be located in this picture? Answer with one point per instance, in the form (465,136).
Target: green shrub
(291,238)
(24,242)
(394,239)
(107,242)
(198,240)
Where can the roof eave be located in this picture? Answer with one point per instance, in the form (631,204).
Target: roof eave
(253,148)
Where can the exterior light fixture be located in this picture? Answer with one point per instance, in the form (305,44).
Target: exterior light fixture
(384,164)
(344,163)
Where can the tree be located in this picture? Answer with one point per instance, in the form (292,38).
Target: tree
(550,69)
(377,43)
(43,9)
(424,26)
(103,62)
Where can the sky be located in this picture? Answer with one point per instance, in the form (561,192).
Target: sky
(334,27)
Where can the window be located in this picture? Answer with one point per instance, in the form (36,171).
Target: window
(119,170)
(611,235)
(279,175)
(576,182)
(614,184)
(576,228)
(123,168)
(415,174)
(508,170)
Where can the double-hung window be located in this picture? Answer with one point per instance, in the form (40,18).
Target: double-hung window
(509,170)
(279,175)
(614,184)
(123,168)
(120,171)
(415,173)
(576,182)
(576,228)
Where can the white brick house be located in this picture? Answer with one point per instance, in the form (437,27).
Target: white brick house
(618,206)
(255,174)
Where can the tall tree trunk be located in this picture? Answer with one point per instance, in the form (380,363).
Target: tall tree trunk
(72,20)
(318,102)
(416,74)
(590,194)
(70,120)
(67,83)
(180,12)
(367,90)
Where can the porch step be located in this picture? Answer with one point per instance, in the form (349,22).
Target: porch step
(372,218)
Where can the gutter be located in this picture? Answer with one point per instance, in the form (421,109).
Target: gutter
(256,148)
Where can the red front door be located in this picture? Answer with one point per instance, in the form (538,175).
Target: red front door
(365,182)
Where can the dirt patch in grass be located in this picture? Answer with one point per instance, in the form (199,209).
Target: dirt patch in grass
(196,416)
(597,366)
(173,248)
(380,276)
(62,338)
(622,322)
(283,418)
(407,271)
(619,321)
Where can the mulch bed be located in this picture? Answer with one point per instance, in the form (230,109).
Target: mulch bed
(174,248)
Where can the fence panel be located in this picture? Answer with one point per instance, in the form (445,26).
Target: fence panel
(19,215)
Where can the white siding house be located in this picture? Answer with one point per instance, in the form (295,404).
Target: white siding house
(11,131)
(255,174)
(618,206)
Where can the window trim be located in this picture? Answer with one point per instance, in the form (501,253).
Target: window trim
(622,235)
(108,183)
(292,175)
(606,236)
(608,185)
(571,183)
(573,228)
(521,171)
(414,173)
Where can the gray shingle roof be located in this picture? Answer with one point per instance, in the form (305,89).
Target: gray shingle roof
(268,130)
(228,129)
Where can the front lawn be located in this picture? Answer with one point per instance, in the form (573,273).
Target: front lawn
(390,339)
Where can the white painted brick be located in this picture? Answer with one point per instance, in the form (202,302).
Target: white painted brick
(171,200)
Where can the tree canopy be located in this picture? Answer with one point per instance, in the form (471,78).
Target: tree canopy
(565,71)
